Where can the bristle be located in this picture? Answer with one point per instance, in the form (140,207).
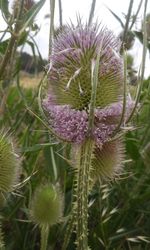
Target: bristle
(108,160)
(9,163)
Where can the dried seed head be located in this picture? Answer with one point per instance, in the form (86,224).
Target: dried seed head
(47,206)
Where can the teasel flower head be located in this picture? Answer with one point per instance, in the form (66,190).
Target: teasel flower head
(47,205)
(9,165)
(74,52)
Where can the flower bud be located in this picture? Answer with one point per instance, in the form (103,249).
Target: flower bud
(47,206)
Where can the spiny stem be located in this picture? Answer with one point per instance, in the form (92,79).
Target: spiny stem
(82,197)
(69,229)
(72,218)
(84,167)
(44,237)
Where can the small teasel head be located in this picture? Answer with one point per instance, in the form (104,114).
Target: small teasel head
(107,162)
(9,165)
(47,205)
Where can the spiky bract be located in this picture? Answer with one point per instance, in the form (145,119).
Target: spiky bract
(9,163)
(108,160)
(47,206)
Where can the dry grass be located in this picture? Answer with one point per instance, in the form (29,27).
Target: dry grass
(30,80)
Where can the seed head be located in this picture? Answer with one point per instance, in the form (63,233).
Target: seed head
(47,206)
(9,164)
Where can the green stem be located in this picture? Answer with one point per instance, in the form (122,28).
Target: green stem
(69,229)
(12,42)
(127,24)
(142,70)
(44,237)
(92,12)
(84,165)
(72,217)
(2,245)
(82,197)
(60,13)
(51,33)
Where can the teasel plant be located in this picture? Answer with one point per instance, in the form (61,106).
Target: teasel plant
(46,209)
(10,169)
(88,105)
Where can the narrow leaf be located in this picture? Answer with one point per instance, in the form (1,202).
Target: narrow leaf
(4,8)
(118,18)
(31,14)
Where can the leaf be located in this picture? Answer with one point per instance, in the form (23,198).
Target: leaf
(139,35)
(118,18)
(21,41)
(4,8)
(132,146)
(37,147)
(31,14)
(32,48)
(3,46)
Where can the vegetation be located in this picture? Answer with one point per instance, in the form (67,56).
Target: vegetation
(118,208)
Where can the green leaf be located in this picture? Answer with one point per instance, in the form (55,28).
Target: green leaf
(4,8)
(3,46)
(118,18)
(139,35)
(37,147)
(31,14)
(21,41)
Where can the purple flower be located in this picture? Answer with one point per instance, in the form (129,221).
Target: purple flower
(70,67)
(68,101)
(72,125)
(69,124)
